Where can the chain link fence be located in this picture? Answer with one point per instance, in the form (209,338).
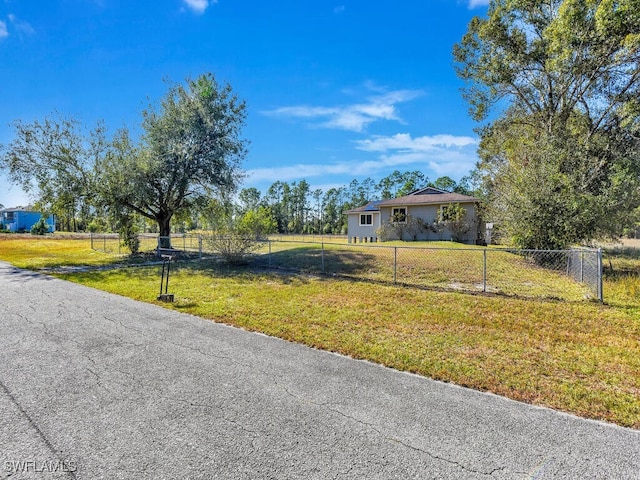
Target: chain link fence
(111,243)
(309,237)
(555,274)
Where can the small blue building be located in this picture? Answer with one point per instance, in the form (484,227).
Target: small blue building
(22,219)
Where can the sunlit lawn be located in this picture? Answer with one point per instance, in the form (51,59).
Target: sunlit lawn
(31,252)
(580,357)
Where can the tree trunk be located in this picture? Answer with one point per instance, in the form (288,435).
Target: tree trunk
(164,225)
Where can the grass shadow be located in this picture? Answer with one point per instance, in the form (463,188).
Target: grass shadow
(312,259)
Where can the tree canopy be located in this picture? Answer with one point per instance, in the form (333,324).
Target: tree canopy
(191,148)
(560,159)
(54,160)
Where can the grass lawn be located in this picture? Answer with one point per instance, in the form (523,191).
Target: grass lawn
(26,251)
(60,250)
(443,265)
(579,357)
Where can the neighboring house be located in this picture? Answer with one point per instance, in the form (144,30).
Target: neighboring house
(417,216)
(22,219)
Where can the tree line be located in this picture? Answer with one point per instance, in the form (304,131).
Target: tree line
(298,208)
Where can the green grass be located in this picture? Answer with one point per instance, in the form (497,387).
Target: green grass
(26,251)
(622,276)
(580,357)
(53,252)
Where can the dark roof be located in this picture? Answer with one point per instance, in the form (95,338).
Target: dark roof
(428,191)
(369,207)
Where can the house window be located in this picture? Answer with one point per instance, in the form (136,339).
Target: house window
(399,215)
(366,219)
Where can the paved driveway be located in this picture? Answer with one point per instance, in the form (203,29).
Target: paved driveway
(94,385)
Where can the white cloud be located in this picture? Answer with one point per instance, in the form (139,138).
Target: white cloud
(350,117)
(478,3)
(297,172)
(404,143)
(198,6)
(3,30)
(20,26)
(436,155)
(441,154)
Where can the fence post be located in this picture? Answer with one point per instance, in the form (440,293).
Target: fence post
(199,247)
(91,235)
(104,243)
(581,266)
(600,292)
(484,270)
(395,264)
(269,252)
(322,257)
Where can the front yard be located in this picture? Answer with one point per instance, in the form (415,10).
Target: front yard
(580,357)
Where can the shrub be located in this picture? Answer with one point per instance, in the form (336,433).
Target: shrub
(409,229)
(128,233)
(453,217)
(40,227)
(257,223)
(98,225)
(234,248)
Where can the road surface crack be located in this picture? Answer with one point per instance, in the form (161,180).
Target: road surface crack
(376,429)
(35,426)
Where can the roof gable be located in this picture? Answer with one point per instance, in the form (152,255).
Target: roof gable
(429,191)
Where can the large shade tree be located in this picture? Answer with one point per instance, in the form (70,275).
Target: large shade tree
(190,150)
(560,160)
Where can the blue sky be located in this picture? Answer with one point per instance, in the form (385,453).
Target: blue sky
(335,90)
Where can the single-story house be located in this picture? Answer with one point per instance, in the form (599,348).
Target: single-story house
(421,215)
(21,219)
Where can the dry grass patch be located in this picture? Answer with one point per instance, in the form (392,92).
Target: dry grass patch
(50,252)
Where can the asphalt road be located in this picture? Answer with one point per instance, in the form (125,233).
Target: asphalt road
(94,385)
